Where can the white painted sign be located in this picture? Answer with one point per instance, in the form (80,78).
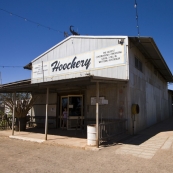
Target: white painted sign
(93,100)
(37,71)
(109,56)
(72,64)
(70,106)
(82,62)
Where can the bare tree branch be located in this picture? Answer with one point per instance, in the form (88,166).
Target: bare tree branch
(23,103)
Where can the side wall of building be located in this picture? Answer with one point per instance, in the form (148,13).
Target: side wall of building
(148,89)
(170,99)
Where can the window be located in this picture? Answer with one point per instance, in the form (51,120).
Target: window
(138,64)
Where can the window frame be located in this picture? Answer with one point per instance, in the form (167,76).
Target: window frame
(138,64)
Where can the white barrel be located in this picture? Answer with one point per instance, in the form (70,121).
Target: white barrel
(91,134)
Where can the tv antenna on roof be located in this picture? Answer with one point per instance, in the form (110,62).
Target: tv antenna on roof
(65,34)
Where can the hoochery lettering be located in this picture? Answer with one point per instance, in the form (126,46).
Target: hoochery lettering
(56,65)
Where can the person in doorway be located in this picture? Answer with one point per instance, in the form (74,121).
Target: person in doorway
(64,118)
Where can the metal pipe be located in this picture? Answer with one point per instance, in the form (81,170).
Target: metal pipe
(14,102)
(46,120)
(97,114)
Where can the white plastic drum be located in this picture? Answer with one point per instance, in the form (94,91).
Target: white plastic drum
(91,134)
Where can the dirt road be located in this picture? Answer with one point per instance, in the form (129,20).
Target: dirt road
(21,156)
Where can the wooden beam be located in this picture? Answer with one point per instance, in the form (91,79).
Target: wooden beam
(14,100)
(97,114)
(46,120)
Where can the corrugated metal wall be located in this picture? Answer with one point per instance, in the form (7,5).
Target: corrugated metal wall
(74,46)
(39,107)
(170,98)
(116,94)
(148,89)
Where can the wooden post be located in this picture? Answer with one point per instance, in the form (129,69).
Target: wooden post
(97,114)
(14,102)
(46,120)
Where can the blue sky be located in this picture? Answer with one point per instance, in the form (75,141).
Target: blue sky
(22,41)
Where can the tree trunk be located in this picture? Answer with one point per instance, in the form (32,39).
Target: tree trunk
(20,124)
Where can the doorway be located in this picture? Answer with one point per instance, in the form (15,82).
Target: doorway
(74,106)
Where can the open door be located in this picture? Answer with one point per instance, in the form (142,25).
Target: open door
(74,106)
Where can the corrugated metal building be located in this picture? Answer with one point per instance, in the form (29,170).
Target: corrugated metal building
(121,70)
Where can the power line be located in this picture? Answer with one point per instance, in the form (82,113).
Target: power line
(137,22)
(33,22)
(4,66)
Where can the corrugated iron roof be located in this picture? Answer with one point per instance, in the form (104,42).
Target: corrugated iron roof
(149,49)
(57,86)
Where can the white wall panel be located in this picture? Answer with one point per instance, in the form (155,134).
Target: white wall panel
(43,58)
(84,45)
(70,48)
(62,51)
(92,45)
(81,48)
(56,53)
(50,55)
(75,46)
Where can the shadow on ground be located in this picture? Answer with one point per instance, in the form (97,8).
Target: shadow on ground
(142,136)
(60,132)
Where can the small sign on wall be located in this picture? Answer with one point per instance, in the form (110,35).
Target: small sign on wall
(109,56)
(52,109)
(70,106)
(102,101)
